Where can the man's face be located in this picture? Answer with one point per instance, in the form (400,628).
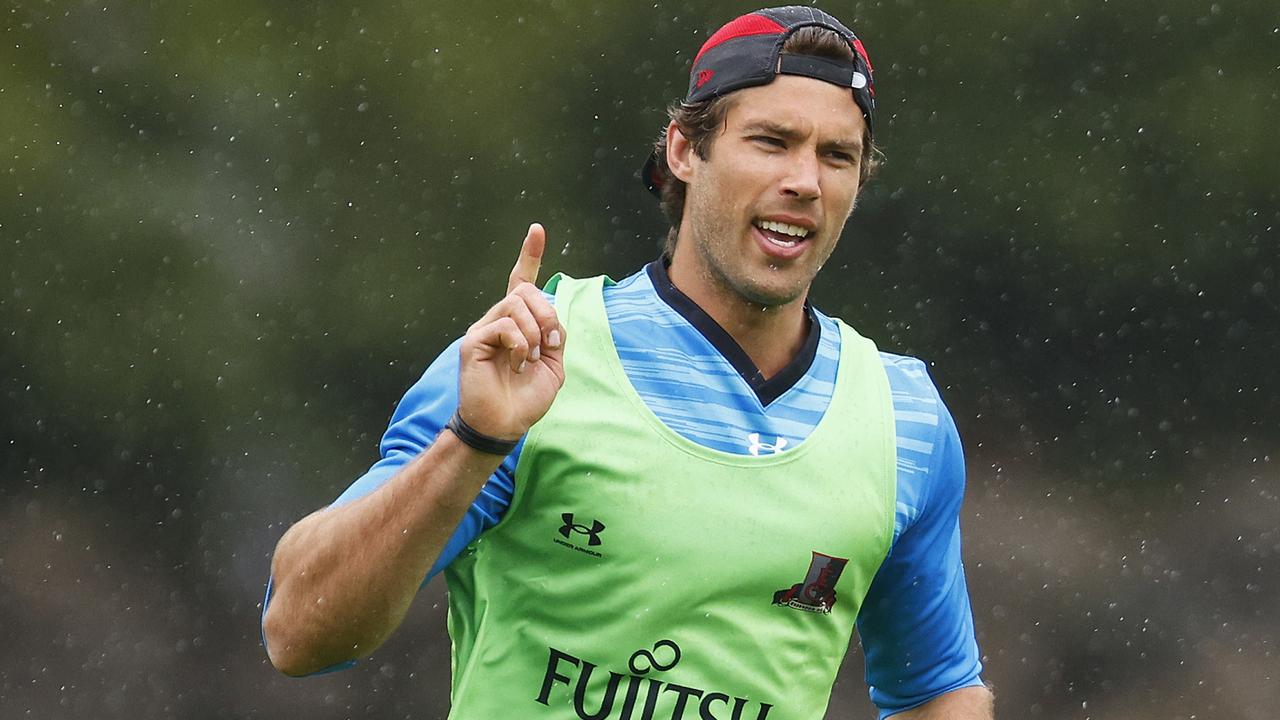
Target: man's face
(765,209)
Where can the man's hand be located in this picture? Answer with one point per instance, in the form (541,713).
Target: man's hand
(512,358)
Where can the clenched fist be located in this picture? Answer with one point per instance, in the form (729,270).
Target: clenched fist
(512,358)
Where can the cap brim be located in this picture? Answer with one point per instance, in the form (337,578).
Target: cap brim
(649,175)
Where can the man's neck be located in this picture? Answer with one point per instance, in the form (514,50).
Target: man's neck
(771,336)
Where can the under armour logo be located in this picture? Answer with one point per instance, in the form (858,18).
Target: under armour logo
(592,533)
(704,77)
(755,447)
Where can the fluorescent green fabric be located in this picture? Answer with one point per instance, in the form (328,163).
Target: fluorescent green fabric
(637,574)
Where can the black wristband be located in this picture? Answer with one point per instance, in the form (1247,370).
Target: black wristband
(477,440)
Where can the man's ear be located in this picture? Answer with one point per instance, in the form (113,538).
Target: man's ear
(679,153)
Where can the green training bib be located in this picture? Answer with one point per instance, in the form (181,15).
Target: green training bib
(640,576)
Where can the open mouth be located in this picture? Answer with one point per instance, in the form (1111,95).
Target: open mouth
(780,234)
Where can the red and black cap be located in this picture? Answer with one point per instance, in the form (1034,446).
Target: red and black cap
(747,52)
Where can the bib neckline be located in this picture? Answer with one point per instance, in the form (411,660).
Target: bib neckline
(597,333)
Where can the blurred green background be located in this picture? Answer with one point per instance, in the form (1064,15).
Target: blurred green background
(232,234)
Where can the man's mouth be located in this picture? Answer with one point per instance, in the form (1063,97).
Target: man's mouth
(782,234)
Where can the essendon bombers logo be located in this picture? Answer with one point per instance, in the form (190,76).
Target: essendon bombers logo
(818,591)
(640,694)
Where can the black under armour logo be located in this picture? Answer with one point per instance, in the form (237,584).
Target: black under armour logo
(592,533)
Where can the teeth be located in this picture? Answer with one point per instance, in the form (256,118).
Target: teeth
(784,228)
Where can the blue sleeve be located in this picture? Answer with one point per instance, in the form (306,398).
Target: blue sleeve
(916,624)
(417,421)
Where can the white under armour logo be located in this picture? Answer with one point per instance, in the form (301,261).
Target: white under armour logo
(755,447)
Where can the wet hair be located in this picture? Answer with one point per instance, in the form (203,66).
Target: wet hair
(700,122)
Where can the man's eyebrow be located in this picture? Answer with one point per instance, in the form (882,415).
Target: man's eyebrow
(771,127)
(853,147)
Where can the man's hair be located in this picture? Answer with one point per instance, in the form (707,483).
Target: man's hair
(701,121)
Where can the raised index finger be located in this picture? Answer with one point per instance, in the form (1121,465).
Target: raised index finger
(526,269)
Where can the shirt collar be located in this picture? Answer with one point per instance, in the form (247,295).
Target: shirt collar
(766,390)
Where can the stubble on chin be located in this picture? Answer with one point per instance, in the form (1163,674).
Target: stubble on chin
(718,245)
(733,277)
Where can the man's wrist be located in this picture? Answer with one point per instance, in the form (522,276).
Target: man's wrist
(477,440)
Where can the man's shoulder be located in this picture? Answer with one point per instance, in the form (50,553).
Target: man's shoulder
(908,374)
(633,285)
(915,398)
(632,298)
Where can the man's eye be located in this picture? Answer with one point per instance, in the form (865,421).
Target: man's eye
(842,157)
(768,140)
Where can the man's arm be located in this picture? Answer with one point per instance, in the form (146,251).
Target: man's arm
(344,576)
(916,623)
(970,703)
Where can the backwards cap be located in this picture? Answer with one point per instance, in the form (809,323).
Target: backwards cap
(747,51)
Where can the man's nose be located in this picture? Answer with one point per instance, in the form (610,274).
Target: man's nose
(803,177)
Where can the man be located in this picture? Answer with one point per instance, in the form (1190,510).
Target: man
(673,496)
